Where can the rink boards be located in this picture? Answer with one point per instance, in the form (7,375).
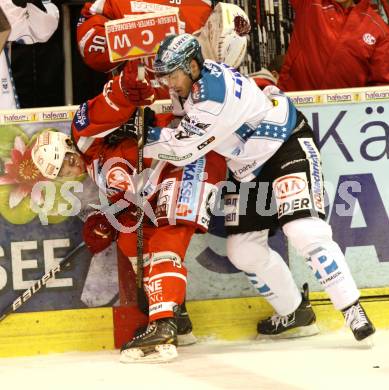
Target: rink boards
(78,310)
(92,329)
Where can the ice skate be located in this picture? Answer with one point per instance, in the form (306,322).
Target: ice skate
(156,345)
(185,335)
(300,323)
(357,319)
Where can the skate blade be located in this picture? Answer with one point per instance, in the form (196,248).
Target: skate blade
(368,342)
(301,331)
(163,353)
(186,339)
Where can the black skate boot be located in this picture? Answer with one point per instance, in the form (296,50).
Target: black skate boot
(357,319)
(184,327)
(300,323)
(185,335)
(157,344)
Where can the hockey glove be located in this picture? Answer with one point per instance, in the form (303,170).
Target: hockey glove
(20,3)
(129,129)
(23,4)
(138,93)
(38,4)
(98,233)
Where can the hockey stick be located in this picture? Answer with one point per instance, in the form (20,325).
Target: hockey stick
(22,299)
(140,293)
(155,25)
(277,30)
(254,41)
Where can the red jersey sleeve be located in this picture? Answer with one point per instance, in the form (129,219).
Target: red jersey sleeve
(101,115)
(92,42)
(91,38)
(379,69)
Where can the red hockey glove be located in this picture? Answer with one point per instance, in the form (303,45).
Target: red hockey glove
(98,233)
(139,93)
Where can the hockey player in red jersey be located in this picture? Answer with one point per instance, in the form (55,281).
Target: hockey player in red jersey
(91,31)
(109,156)
(222,32)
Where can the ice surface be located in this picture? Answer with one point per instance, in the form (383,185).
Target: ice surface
(332,362)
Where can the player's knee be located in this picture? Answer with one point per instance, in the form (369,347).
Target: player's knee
(248,251)
(306,234)
(166,261)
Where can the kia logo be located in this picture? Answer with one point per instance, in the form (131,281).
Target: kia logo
(287,186)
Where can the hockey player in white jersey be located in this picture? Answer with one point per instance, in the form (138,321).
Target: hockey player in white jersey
(275,181)
(31,21)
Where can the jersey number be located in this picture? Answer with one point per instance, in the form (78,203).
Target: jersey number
(99,44)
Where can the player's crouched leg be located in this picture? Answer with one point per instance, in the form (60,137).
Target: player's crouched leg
(165,288)
(271,277)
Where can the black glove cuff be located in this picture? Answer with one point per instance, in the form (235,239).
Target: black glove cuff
(38,4)
(20,3)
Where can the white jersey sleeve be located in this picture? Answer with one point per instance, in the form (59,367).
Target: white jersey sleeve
(197,133)
(31,24)
(219,104)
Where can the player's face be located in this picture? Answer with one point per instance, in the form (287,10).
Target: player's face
(72,166)
(180,82)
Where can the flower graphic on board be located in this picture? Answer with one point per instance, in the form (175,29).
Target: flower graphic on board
(19,203)
(21,172)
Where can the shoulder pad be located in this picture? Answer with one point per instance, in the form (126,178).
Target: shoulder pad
(211,86)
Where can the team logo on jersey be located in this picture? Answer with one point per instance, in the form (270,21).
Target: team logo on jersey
(369,39)
(118,178)
(192,126)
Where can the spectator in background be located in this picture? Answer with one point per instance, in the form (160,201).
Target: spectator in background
(31,21)
(270,75)
(336,44)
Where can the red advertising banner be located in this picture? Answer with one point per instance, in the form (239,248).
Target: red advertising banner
(139,36)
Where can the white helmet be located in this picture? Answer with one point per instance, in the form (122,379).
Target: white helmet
(224,35)
(49,152)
